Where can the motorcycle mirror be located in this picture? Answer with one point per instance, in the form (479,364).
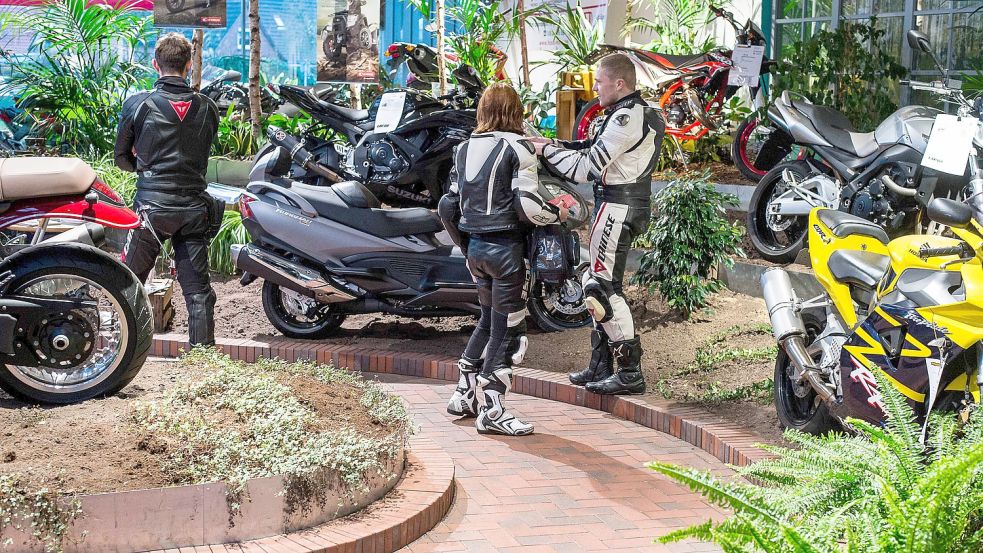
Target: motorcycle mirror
(232,76)
(950,212)
(918,40)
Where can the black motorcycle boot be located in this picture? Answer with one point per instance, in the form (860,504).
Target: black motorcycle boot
(464,402)
(601,363)
(628,379)
(201,318)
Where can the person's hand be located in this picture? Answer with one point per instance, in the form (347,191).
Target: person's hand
(539,147)
(539,140)
(564,213)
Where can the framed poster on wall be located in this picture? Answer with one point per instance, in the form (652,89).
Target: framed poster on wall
(208,14)
(348,41)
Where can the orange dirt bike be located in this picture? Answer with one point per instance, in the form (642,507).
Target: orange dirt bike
(692,91)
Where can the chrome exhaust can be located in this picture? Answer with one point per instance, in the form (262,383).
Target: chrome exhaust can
(781,301)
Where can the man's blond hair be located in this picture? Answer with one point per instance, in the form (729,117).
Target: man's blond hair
(618,66)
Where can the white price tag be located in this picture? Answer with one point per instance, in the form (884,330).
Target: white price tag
(747,65)
(950,143)
(390,111)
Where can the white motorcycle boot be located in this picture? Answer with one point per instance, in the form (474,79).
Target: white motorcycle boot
(494,419)
(464,402)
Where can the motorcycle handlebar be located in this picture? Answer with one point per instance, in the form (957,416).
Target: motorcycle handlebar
(926,252)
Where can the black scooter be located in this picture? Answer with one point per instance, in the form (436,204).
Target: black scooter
(325,252)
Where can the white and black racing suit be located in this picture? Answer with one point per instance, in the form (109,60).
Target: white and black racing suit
(619,161)
(492,199)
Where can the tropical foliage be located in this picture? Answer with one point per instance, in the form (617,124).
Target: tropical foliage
(79,69)
(576,35)
(482,23)
(680,26)
(849,69)
(880,490)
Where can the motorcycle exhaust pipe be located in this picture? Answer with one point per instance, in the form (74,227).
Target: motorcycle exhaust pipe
(90,234)
(789,329)
(287,274)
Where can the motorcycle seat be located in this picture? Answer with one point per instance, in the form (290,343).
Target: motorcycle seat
(836,129)
(385,223)
(857,267)
(32,177)
(670,61)
(352,115)
(844,224)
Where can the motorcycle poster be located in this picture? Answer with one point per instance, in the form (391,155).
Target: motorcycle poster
(208,14)
(348,41)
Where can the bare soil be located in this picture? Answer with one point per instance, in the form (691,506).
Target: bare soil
(669,341)
(92,447)
(720,171)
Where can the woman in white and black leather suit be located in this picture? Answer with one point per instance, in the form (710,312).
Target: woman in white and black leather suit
(493,199)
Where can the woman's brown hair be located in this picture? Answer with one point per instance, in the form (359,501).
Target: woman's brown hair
(500,110)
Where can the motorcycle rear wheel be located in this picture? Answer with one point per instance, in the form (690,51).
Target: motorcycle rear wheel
(559,307)
(287,319)
(123,323)
(776,240)
(808,413)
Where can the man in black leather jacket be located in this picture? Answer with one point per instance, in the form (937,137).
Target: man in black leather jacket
(619,161)
(165,136)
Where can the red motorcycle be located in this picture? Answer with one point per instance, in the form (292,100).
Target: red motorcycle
(75,323)
(692,91)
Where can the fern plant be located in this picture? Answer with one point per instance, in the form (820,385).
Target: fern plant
(878,490)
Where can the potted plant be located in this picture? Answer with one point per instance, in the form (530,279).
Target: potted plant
(578,38)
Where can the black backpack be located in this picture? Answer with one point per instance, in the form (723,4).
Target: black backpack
(554,253)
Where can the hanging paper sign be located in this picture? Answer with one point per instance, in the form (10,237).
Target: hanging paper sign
(950,143)
(747,65)
(210,14)
(390,111)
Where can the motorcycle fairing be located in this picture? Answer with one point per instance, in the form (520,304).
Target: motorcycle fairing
(900,344)
(68,207)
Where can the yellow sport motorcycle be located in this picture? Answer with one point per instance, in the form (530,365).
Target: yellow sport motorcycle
(910,309)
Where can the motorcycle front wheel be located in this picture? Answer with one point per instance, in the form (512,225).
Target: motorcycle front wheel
(174,5)
(776,238)
(797,405)
(100,348)
(557,307)
(298,316)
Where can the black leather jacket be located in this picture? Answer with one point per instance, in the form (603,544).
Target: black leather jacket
(494,186)
(170,129)
(620,159)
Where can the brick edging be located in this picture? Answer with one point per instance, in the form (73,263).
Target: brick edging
(412,508)
(725,441)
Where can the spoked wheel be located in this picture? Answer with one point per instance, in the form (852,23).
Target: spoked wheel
(556,307)
(174,5)
(91,350)
(777,238)
(299,316)
(797,404)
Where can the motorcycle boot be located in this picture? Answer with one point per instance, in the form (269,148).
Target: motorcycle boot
(464,402)
(601,364)
(628,379)
(201,318)
(494,418)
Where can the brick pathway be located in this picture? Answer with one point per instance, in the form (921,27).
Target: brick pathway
(578,484)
